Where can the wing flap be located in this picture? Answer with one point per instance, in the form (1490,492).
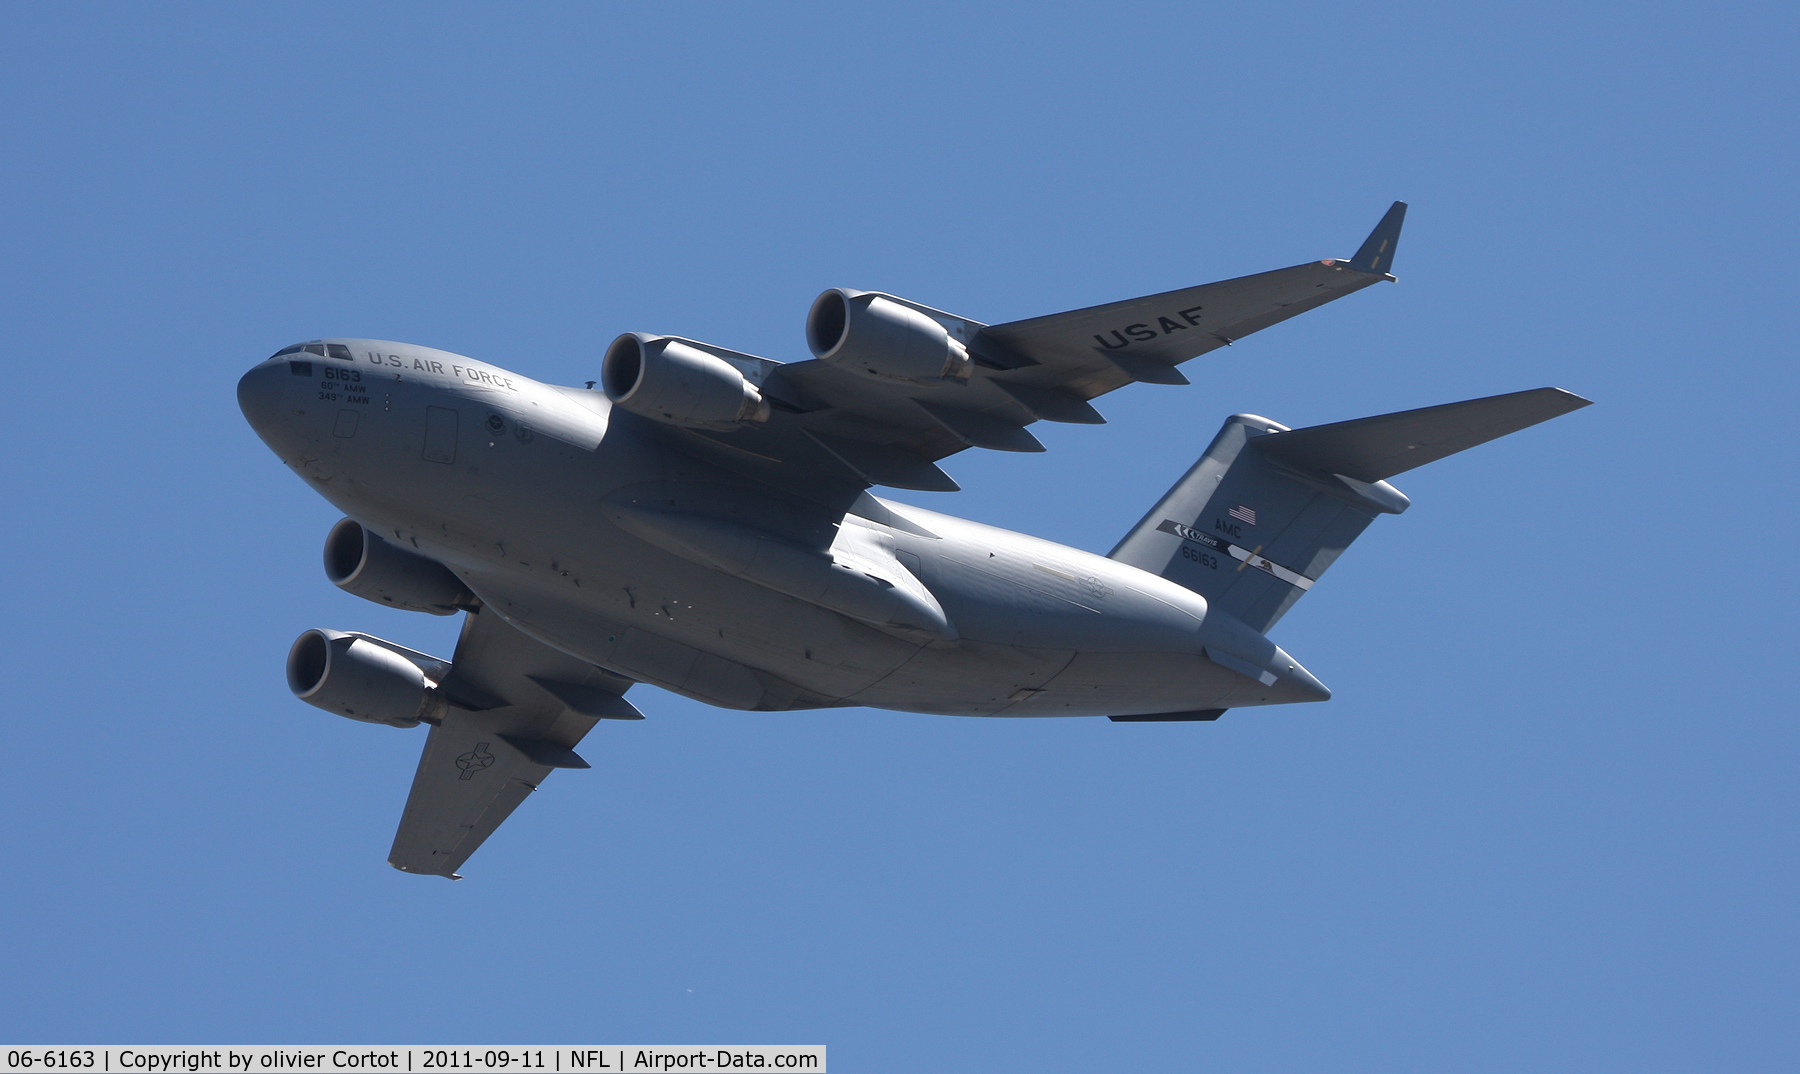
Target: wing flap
(1051,404)
(590,700)
(880,464)
(548,754)
(983,430)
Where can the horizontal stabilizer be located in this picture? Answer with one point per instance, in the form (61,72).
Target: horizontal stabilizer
(1268,509)
(1377,448)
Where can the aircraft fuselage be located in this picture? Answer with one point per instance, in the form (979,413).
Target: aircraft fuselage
(565,515)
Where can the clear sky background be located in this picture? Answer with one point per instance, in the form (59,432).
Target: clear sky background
(1547,823)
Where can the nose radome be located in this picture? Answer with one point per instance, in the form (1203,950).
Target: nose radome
(259,393)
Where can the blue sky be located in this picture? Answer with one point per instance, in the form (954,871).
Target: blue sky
(1548,821)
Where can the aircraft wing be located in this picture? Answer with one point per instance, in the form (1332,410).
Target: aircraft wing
(893,432)
(513,710)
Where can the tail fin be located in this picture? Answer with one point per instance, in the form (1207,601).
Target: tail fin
(1287,502)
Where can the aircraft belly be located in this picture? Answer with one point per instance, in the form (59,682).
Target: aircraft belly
(975,678)
(1120,684)
(716,638)
(556,568)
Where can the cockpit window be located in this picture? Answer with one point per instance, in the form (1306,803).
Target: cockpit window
(323,350)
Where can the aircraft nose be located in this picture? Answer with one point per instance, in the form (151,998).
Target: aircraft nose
(259,394)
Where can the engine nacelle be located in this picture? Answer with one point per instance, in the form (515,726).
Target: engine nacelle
(355,677)
(875,336)
(668,380)
(359,562)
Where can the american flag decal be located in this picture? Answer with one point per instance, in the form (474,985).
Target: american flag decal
(1243,514)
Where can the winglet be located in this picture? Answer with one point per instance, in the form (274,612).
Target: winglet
(1377,253)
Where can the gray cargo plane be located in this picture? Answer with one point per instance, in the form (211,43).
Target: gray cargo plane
(702,522)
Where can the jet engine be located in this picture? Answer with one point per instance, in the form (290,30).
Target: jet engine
(876,336)
(670,381)
(356,677)
(359,562)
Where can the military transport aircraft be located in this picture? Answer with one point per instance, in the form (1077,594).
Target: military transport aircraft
(702,522)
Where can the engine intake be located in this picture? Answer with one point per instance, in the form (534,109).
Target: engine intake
(355,677)
(876,336)
(359,562)
(670,381)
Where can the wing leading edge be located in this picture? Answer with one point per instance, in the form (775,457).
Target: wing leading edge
(830,421)
(513,711)
(1088,352)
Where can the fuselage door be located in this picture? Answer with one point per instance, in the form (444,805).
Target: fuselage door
(440,434)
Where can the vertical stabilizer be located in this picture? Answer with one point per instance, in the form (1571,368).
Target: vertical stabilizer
(1267,509)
